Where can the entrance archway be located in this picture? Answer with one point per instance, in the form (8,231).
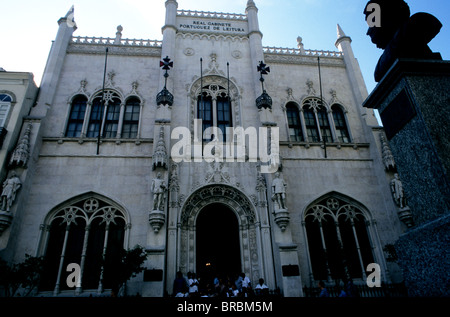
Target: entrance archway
(240,206)
(217,243)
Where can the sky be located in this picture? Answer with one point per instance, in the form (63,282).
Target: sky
(28,27)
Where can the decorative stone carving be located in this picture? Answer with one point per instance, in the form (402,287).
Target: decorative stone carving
(397,191)
(279,192)
(19,157)
(157,219)
(10,188)
(310,91)
(118,38)
(174,186)
(189,51)
(157,216)
(279,197)
(388,158)
(160,155)
(216,173)
(5,221)
(261,188)
(300,45)
(158,190)
(398,195)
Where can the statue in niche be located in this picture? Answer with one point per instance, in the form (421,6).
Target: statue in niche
(399,34)
(158,189)
(10,188)
(279,192)
(397,192)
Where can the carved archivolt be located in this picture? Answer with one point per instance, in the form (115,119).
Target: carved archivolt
(244,210)
(228,195)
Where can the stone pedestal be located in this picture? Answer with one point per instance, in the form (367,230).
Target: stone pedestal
(281,218)
(157,219)
(414,104)
(5,221)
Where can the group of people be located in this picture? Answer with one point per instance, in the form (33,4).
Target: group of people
(218,287)
(348,290)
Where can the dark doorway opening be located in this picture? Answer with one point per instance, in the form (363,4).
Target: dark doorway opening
(218,247)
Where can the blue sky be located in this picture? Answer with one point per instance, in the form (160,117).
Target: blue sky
(27,27)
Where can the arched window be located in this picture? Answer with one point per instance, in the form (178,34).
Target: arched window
(223,114)
(205,113)
(294,123)
(316,121)
(111,121)
(311,124)
(90,233)
(338,239)
(76,116)
(214,108)
(324,124)
(5,105)
(95,120)
(131,118)
(340,124)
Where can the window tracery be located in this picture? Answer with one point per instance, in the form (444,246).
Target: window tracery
(339,241)
(88,232)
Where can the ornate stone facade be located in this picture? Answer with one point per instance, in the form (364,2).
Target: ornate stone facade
(72,167)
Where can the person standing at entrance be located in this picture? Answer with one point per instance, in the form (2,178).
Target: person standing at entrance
(193,285)
(246,285)
(179,285)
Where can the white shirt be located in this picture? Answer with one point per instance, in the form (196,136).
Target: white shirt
(245,282)
(259,286)
(193,288)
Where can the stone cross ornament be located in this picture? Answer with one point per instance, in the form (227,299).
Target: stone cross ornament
(399,34)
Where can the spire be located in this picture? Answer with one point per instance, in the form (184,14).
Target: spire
(251,3)
(69,18)
(340,32)
(70,13)
(341,36)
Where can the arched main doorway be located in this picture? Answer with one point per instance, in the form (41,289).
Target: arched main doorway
(204,203)
(217,243)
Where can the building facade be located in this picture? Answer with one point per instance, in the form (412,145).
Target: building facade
(18,93)
(320,209)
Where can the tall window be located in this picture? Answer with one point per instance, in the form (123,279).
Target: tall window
(131,118)
(295,127)
(324,124)
(112,119)
(311,125)
(340,124)
(223,114)
(76,116)
(205,112)
(111,122)
(95,119)
(90,233)
(316,121)
(5,105)
(338,239)
(214,108)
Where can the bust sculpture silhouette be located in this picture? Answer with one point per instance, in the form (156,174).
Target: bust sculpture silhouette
(401,35)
